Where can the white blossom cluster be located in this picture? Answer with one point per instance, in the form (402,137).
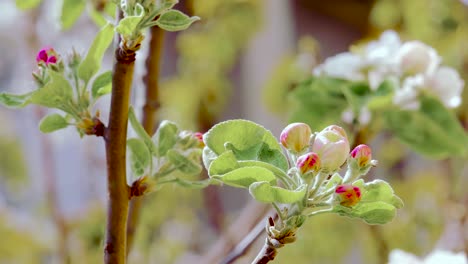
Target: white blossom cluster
(398,256)
(413,67)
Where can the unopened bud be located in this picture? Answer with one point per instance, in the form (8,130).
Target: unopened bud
(349,195)
(362,155)
(142,186)
(308,162)
(199,137)
(295,137)
(332,146)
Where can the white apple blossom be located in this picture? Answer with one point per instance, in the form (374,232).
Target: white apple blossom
(406,96)
(415,57)
(446,85)
(345,65)
(398,256)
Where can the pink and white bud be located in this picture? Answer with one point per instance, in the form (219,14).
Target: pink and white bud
(348,195)
(362,155)
(415,57)
(295,137)
(199,137)
(308,162)
(332,146)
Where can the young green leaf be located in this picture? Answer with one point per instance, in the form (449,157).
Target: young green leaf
(92,62)
(433,131)
(165,137)
(52,122)
(128,25)
(15,101)
(244,177)
(71,11)
(247,140)
(183,163)
(140,156)
(194,184)
(27,4)
(140,131)
(102,85)
(174,20)
(57,93)
(264,192)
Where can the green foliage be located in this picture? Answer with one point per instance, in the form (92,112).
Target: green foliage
(92,62)
(140,131)
(71,11)
(13,100)
(183,163)
(102,85)
(320,101)
(27,4)
(52,122)
(247,141)
(377,206)
(174,20)
(129,25)
(140,156)
(57,93)
(165,137)
(264,192)
(245,176)
(433,131)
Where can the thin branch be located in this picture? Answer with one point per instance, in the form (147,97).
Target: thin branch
(253,213)
(115,138)
(149,120)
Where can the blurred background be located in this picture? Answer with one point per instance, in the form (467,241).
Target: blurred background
(239,61)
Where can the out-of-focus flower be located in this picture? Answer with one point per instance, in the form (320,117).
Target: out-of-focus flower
(364,116)
(332,146)
(446,85)
(415,57)
(295,137)
(344,65)
(398,256)
(308,162)
(349,195)
(407,95)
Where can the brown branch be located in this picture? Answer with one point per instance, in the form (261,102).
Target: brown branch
(149,120)
(247,220)
(115,138)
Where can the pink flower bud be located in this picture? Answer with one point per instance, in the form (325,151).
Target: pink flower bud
(295,137)
(349,195)
(199,137)
(46,56)
(332,146)
(308,162)
(362,154)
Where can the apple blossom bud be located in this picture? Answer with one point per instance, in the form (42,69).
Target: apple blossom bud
(199,137)
(362,155)
(308,162)
(295,137)
(332,146)
(46,56)
(348,195)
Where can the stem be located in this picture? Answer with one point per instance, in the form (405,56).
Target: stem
(149,121)
(115,137)
(266,254)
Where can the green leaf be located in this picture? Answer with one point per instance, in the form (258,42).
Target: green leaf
(15,101)
(92,62)
(244,177)
(71,11)
(174,20)
(319,101)
(433,131)
(247,141)
(57,93)
(194,184)
(264,192)
(27,4)
(140,131)
(102,85)
(378,203)
(190,166)
(334,181)
(140,156)
(165,137)
(128,26)
(52,123)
